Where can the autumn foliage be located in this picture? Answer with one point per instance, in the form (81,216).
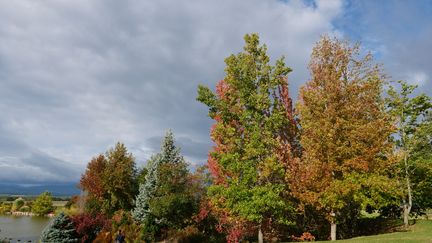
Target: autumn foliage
(278,170)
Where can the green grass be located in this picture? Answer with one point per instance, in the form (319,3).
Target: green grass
(419,232)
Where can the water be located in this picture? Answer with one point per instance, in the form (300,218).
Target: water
(23,228)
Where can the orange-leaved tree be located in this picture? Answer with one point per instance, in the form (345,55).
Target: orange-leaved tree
(346,156)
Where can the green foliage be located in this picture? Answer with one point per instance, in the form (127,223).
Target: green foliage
(60,230)
(164,200)
(17,204)
(421,157)
(5,207)
(254,123)
(43,204)
(412,118)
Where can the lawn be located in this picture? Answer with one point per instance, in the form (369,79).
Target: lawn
(419,232)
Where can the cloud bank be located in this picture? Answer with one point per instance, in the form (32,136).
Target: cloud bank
(77,76)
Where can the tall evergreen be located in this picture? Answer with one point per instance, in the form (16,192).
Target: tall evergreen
(60,230)
(163,200)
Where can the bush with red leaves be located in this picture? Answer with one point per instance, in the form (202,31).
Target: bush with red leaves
(88,225)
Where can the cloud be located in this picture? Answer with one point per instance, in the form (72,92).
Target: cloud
(21,163)
(77,76)
(397,32)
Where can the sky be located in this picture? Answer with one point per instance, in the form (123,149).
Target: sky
(78,76)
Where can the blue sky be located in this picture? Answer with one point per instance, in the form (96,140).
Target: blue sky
(77,76)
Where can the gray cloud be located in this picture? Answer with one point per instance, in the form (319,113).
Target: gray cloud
(77,76)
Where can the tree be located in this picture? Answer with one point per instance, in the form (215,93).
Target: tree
(17,204)
(110,180)
(60,230)
(255,138)
(164,200)
(43,204)
(409,114)
(422,165)
(345,133)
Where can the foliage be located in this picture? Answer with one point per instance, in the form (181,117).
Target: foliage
(88,226)
(255,136)
(60,230)
(110,180)
(17,204)
(164,200)
(422,164)
(43,204)
(345,133)
(412,144)
(124,221)
(5,207)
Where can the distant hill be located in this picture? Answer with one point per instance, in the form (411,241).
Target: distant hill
(57,189)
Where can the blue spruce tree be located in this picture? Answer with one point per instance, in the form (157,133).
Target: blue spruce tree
(60,230)
(163,200)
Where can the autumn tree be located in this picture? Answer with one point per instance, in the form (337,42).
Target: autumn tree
(110,180)
(255,138)
(43,204)
(17,204)
(411,139)
(345,132)
(165,200)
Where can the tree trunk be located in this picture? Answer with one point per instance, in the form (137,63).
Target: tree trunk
(260,235)
(333,230)
(407,206)
(405,215)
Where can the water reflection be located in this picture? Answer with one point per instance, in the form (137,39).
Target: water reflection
(22,228)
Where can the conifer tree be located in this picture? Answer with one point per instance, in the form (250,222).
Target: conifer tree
(60,230)
(255,136)
(164,200)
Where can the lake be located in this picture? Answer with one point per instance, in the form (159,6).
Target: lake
(23,228)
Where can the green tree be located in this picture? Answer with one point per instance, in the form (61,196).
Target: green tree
(346,158)
(164,200)
(110,181)
(17,204)
(43,204)
(411,138)
(422,165)
(59,230)
(256,138)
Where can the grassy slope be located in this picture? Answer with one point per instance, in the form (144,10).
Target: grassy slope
(420,232)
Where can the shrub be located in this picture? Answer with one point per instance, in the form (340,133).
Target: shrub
(88,226)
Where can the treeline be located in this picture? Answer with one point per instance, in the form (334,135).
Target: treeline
(41,205)
(351,147)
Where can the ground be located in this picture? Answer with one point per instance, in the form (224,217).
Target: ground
(419,232)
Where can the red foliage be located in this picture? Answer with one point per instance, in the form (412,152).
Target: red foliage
(88,226)
(91,180)
(221,89)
